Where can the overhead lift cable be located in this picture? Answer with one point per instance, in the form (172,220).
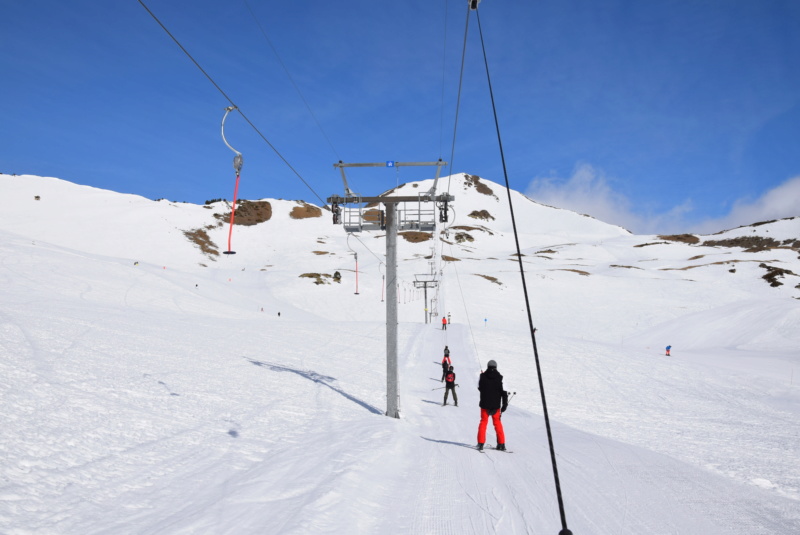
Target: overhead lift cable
(288,75)
(210,79)
(455,126)
(444,70)
(458,98)
(463,300)
(564,530)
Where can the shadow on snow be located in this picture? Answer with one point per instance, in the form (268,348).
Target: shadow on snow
(316,378)
(449,442)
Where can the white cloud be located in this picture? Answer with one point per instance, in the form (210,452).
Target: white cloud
(779,202)
(589,191)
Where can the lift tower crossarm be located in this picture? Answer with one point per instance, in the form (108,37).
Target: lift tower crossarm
(341,166)
(356,199)
(396,164)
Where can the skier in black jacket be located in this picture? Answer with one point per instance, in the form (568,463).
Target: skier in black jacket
(450,377)
(494,401)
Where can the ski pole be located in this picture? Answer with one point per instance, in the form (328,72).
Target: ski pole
(440,388)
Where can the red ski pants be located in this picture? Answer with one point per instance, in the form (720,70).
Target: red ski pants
(498,427)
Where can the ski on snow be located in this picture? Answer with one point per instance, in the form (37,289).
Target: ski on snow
(485,449)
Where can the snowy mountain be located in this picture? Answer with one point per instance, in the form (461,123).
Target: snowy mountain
(150,383)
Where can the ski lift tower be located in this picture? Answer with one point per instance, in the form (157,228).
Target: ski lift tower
(426,281)
(398,213)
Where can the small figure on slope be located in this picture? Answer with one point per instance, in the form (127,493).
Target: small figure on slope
(494,401)
(445,362)
(450,384)
(668,348)
(444,323)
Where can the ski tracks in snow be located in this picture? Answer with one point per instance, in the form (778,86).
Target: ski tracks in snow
(454,489)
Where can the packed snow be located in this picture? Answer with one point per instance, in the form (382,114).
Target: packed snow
(151,387)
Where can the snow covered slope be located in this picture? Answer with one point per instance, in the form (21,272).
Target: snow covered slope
(148,383)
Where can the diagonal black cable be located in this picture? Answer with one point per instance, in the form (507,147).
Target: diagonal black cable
(458,101)
(210,79)
(564,529)
(288,75)
(444,70)
(367,248)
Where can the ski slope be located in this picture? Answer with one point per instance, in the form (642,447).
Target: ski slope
(156,397)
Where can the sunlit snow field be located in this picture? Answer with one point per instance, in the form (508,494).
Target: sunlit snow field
(147,387)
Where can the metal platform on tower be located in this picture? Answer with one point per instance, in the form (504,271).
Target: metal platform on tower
(413,212)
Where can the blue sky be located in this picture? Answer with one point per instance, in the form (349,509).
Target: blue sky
(669,116)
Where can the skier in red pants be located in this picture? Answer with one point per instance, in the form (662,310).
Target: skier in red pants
(494,401)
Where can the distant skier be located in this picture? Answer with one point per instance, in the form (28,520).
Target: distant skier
(668,348)
(444,323)
(450,384)
(445,362)
(494,401)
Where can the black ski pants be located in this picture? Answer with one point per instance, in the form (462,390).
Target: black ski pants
(447,390)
